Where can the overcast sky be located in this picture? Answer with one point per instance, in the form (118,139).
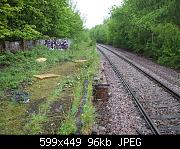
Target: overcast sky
(95,11)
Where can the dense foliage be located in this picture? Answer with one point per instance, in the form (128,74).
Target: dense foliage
(33,19)
(150,27)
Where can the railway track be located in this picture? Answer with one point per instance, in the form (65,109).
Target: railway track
(172,92)
(171,121)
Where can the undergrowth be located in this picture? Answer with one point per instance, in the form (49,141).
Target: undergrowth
(88,115)
(20,68)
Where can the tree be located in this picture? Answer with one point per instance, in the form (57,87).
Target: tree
(149,27)
(33,19)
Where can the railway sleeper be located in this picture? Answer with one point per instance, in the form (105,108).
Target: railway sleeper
(169,116)
(170,128)
(165,105)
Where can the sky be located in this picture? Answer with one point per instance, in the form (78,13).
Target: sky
(95,11)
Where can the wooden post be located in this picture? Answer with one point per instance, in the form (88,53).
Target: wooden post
(2,45)
(23,45)
(152,41)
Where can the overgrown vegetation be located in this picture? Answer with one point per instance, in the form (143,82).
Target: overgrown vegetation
(42,19)
(88,115)
(20,66)
(149,27)
(34,19)
(18,75)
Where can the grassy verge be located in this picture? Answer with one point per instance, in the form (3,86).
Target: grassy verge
(88,115)
(18,72)
(21,66)
(36,121)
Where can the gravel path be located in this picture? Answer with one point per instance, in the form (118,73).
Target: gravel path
(155,100)
(119,115)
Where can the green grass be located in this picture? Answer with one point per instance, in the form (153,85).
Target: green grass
(88,115)
(69,126)
(35,126)
(20,68)
(22,65)
(36,122)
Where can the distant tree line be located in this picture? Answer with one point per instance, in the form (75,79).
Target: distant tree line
(150,27)
(35,19)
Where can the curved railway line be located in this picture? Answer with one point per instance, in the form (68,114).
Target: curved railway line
(171,121)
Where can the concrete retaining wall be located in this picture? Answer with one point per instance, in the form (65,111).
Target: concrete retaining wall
(27,45)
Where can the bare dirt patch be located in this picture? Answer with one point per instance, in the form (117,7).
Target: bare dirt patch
(58,112)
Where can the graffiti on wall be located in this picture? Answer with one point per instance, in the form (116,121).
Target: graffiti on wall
(24,45)
(57,43)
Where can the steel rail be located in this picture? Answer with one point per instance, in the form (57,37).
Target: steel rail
(169,90)
(148,120)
